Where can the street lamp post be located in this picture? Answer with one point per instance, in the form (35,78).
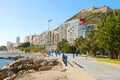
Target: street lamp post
(49,38)
(49,24)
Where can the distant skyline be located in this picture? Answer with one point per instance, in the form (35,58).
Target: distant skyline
(25,17)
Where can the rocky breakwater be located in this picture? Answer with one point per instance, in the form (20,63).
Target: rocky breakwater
(27,65)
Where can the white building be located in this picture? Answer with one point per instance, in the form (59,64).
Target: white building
(69,30)
(56,38)
(84,30)
(73,29)
(63,31)
(10,45)
(18,40)
(43,38)
(27,39)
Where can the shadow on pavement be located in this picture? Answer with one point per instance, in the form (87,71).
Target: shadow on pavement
(77,64)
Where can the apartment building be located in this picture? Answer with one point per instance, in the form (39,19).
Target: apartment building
(17,40)
(43,38)
(84,30)
(63,30)
(55,38)
(10,45)
(73,30)
(36,40)
(27,39)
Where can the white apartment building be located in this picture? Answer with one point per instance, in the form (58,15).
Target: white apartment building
(27,39)
(56,38)
(17,40)
(63,31)
(10,45)
(32,39)
(36,40)
(73,29)
(84,30)
(43,38)
(69,30)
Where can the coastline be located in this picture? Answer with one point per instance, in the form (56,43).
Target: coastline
(43,68)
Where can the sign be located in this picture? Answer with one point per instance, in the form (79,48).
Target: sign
(83,21)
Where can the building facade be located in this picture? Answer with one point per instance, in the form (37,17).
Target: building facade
(63,31)
(73,30)
(18,40)
(43,38)
(69,30)
(27,39)
(10,45)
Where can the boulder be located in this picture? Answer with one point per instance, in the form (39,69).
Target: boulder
(36,67)
(44,63)
(45,68)
(10,77)
(30,71)
(3,75)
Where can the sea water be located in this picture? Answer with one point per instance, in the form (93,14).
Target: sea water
(4,62)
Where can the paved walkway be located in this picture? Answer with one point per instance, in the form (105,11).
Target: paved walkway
(75,73)
(98,70)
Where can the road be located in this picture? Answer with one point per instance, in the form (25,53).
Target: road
(97,70)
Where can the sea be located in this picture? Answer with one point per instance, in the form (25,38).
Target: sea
(4,62)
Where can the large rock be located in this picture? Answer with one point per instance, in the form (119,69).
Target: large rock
(44,63)
(45,68)
(36,67)
(10,77)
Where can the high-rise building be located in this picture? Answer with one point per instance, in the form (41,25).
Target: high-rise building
(69,30)
(63,31)
(55,38)
(8,45)
(27,39)
(73,29)
(18,40)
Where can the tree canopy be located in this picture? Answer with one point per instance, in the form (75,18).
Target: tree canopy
(109,33)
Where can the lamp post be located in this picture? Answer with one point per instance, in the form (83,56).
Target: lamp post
(49,24)
(49,38)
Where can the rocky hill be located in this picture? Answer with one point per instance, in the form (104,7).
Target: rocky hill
(96,10)
(92,14)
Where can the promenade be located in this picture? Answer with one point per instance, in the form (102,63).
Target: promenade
(82,68)
(74,72)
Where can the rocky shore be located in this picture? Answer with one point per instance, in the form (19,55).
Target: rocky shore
(34,69)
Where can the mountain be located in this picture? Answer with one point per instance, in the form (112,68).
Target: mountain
(92,14)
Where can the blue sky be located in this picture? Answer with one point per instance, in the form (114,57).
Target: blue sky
(24,17)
